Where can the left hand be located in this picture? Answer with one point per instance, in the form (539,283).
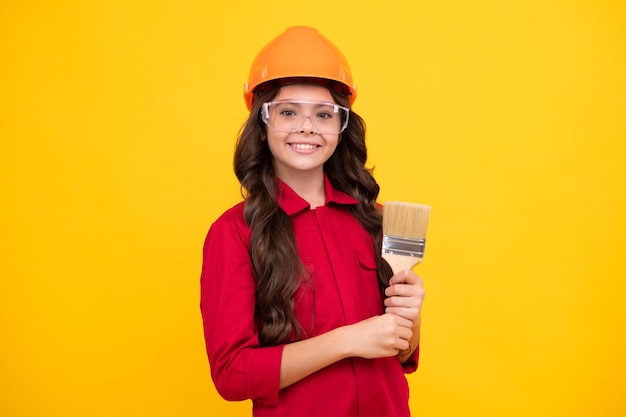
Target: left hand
(405,296)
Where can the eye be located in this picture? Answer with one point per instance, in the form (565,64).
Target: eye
(324,115)
(287,113)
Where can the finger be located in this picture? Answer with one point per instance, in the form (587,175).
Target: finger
(411,314)
(402,321)
(405,333)
(399,277)
(406,277)
(405,290)
(402,344)
(397,301)
(401,290)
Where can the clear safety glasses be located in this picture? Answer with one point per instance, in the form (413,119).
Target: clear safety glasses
(289,116)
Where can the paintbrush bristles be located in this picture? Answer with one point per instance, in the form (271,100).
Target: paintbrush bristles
(405,219)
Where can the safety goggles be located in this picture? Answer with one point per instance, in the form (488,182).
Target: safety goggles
(289,116)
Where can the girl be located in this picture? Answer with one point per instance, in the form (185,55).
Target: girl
(301,314)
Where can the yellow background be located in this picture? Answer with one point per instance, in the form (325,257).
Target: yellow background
(117,125)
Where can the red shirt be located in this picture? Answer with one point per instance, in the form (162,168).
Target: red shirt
(339,255)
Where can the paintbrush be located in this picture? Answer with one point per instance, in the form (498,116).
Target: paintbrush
(404,234)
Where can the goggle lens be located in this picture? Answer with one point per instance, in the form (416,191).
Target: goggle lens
(289,116)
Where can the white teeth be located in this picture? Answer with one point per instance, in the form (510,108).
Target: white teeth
(303,146)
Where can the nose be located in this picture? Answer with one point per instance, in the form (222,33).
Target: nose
(307,126)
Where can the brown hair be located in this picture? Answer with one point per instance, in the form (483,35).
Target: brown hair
(277,267)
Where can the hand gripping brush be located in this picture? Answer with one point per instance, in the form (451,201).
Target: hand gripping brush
(404,234)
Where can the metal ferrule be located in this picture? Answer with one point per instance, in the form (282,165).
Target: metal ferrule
(404,246)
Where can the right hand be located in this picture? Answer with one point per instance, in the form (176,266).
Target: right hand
(379,336)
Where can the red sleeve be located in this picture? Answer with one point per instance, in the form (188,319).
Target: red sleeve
(411,364)
(240,368)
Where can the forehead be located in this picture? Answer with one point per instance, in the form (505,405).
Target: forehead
(304,92)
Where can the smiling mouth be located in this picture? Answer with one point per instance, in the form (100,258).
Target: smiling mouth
(304,146)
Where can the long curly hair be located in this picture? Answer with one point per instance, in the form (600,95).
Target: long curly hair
(277,266)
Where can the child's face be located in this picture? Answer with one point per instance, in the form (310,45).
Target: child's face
(304,150)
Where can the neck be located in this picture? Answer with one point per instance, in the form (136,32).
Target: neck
(309,186)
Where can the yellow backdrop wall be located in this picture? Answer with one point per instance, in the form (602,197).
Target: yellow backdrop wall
(117,125)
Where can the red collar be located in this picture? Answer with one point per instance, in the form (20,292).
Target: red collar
(292,203)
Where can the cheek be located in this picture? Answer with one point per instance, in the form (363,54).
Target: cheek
(272,141)
(333,143)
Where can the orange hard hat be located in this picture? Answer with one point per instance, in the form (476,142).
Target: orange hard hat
(299,53)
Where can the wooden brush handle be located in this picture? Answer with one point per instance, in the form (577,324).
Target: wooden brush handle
(401,262)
